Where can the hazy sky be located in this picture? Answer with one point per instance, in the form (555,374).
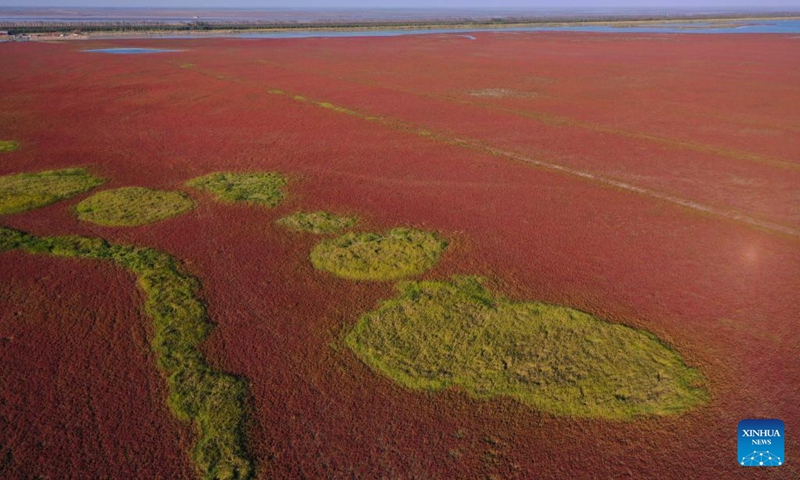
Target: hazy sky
(402,3)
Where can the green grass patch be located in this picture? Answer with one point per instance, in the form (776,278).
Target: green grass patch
(319,223)
(437,335)
(25,191)
(401,252)
(337,108)
(215,402)
(8,145)
(265,188)
(132,206)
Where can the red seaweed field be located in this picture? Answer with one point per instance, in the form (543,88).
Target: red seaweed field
(652,180)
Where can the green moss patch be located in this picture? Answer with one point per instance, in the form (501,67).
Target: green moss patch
(266,188)
(26,191)
(8,145)
(399,253)
(131,206)
(317,222)
(215,402)
(436,335)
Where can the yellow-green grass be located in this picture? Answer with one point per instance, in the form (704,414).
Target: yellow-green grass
(132,206)
(8,145)
(263,188)
(214,401)
(401,252)
(25,191)
(437,335)
(320,223)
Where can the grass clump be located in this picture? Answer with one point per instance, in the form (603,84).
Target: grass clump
(266,188)
(319,223)
(8,145)
(401,252)
(25,191)
(436,335)
(132,206)
(215,402)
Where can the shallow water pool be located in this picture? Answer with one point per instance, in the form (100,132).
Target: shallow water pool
(130,51)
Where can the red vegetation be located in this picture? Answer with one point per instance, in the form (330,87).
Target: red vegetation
(80,395)
(710,119)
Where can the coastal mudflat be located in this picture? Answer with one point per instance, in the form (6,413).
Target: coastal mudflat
(648,180)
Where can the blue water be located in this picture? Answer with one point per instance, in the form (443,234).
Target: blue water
(751,26)
(742,26)
(130,51)
(748,26)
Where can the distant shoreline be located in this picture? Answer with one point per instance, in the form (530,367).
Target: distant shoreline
(125,29)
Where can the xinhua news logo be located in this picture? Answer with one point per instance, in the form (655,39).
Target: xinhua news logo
(761,443)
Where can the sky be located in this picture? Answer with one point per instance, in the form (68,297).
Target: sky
(323,4)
